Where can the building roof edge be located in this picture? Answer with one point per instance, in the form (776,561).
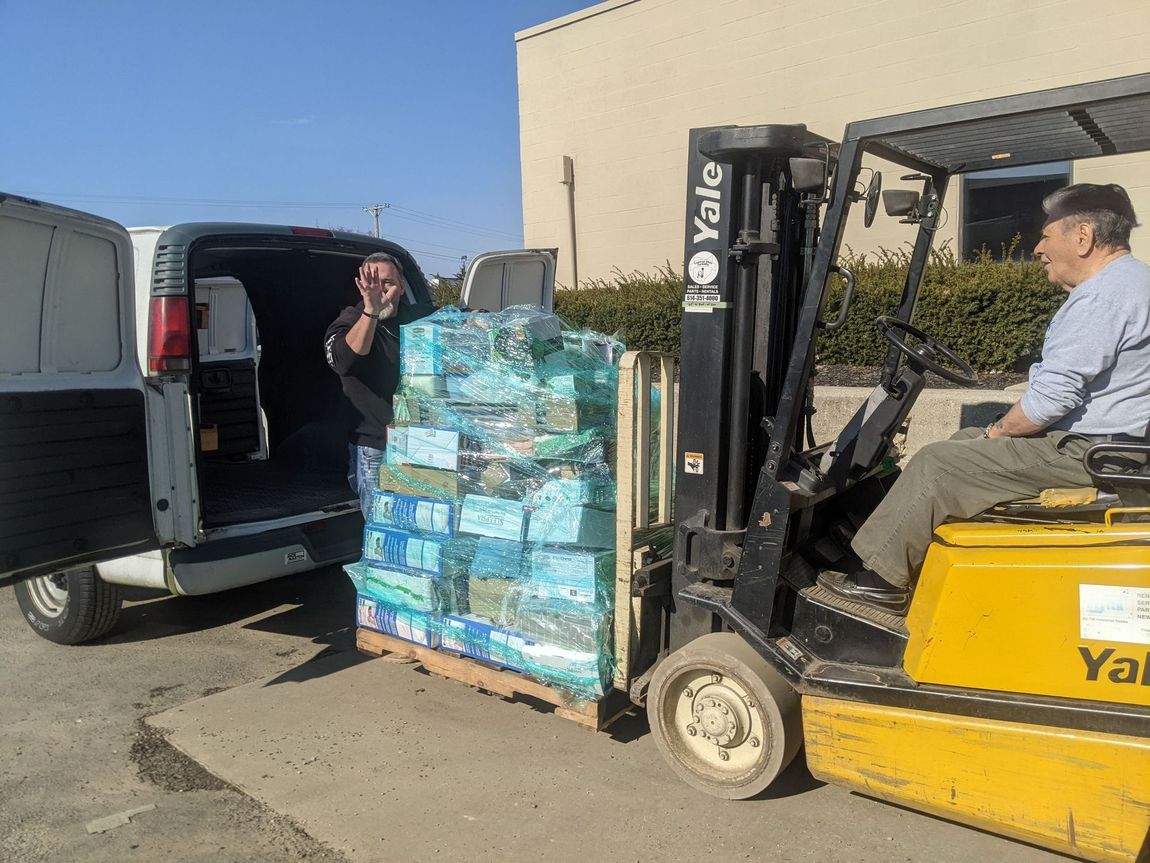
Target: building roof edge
(574,17)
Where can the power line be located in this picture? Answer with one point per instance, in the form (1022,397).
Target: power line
(444,221)
(434,254)
(403,212)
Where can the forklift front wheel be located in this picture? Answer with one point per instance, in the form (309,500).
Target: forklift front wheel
(724,719)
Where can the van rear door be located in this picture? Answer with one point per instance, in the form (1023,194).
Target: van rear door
(73,430)
(496,280)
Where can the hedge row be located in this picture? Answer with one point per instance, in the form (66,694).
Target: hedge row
(993,313)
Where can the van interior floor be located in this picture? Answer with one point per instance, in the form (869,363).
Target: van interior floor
(240,492)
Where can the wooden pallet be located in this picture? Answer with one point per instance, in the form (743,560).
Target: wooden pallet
(596,715)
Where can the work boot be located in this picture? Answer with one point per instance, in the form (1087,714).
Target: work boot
(867,588)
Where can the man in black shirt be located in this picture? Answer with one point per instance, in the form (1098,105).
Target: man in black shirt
(362,347)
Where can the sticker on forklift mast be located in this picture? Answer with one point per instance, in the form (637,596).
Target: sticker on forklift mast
(703,268)
(1109,612)
(703,298)
(693,462)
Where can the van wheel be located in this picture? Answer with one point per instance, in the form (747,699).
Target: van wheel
(69,607)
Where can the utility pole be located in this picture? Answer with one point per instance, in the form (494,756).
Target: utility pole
(375,211)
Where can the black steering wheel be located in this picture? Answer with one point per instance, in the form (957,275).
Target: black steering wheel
(928,353)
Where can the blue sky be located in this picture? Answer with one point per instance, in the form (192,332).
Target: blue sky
(154,112)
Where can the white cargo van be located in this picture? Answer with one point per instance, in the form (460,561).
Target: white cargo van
(167,419)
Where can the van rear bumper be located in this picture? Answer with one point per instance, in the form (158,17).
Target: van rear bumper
(235,562)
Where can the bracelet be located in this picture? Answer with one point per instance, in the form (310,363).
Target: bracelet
(997,421)
(373,317)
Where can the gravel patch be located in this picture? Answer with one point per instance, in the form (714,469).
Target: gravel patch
(867,376)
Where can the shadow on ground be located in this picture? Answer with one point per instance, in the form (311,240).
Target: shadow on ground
(323,611)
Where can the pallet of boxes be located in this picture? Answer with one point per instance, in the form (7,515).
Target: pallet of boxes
(488,555)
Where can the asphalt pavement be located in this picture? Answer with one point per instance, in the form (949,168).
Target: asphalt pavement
(75,748)
(302,751)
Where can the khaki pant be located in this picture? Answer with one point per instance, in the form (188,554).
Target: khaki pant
(957,479)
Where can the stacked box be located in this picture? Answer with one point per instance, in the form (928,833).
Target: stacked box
(401,622)
(413,570)
(412,512)
(480,638)
(509,418)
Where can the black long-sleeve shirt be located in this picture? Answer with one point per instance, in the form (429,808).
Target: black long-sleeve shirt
(370,381)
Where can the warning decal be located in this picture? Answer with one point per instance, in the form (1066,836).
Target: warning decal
(693,462)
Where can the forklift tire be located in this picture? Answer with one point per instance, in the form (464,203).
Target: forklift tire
(69,607)
(723,718)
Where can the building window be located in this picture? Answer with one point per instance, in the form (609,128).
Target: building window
(1000,204)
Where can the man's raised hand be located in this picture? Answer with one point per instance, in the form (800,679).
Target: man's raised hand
(370,288)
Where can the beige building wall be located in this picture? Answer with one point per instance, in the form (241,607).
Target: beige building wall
(617,86)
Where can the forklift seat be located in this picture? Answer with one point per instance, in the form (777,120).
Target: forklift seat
(1121,474)
(1058,504)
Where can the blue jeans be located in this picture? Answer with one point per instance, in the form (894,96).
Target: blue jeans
(363,463)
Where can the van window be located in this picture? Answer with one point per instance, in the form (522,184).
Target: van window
(85,319)
(63,317)
(223,317)
(526,279)
(24,248)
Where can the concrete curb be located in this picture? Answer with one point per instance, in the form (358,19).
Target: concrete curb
(937,414)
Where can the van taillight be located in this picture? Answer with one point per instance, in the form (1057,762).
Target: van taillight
(169,335)
(311,232)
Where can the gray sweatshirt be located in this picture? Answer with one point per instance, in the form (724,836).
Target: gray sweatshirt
(1094,377)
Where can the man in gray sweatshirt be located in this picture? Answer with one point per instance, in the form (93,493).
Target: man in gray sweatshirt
(1093,383)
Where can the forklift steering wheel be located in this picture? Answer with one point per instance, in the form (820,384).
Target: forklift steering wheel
(928,353)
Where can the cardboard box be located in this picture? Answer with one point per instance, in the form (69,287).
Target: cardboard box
(522,342)
(396,548)
(576,402)
(587,446)
(408,590)
(499,558)
(577,670)
(426,385)
(492,386)
(442,347)
(421,349)
(495,423)
(413,626)
(419,481)
(423,446)
(480,638)
(579,525)
(572,574)
(494,517)
(410,512)
(589,489)
(209,438)
(495,598)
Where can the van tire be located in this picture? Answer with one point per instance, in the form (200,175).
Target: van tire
(70,607)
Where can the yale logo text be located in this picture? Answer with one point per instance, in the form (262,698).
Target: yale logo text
(1118,669)
(710,203)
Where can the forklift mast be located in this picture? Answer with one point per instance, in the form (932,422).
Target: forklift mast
(751,231)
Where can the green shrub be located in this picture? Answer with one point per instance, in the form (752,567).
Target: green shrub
(446,293)
(993,313)
(644,310)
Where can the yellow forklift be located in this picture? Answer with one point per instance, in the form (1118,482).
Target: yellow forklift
(1015,694)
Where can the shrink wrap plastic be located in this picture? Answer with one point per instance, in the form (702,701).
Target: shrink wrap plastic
(494,520)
